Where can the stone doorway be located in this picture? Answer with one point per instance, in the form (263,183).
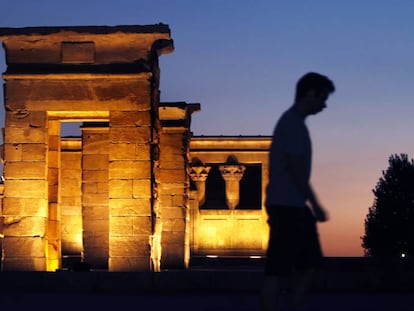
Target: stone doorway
(107,78)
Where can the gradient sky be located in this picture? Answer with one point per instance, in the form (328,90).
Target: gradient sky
(240,60)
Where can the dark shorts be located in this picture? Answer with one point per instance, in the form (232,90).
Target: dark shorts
(293,241)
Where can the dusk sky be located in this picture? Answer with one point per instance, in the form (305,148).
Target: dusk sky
(240,60)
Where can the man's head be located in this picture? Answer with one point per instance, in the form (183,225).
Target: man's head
(312,91)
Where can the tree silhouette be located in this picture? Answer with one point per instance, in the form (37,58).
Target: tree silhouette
(389,224)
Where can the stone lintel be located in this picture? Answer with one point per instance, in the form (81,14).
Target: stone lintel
(84,44)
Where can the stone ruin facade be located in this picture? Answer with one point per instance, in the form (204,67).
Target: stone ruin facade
(128,194)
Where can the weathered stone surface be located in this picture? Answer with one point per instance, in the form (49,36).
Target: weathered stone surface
(173,189)
(70,186)
(122,151)
(172,150)
(25,170)
(71,222)
(173,176)
(25,152)
(25,246)
(132,246)
(141,188)
(130,118)
(91,237)
(141,135)
(71,161)
(172,200)
(24,135)
(125,264)
(95,199)
(24,226)
(29,188)
(53,142)
(25,118)
(95,161)
(129,151)
(82,95)
(98,146)
(112,44)
(94,226)
(121,226)
(53,159)
(120,189)
(129,169)
(174,140)
(130,207)
(78,52)
(95,187)
(53,230)
(95,176)
(25,207)
(24,263)
(96,212)
(141,225)
(130,226)
(54,211)
(71,204)
(173,224)
(173,212)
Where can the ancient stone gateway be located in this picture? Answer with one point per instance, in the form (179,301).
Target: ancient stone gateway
(135,190)
(119,195)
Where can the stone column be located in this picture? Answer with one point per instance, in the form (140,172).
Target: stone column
(232,174)
(198,175)
(174,182)
(95,211)
(173,193)
(70,198)
(54,250)
(130,190)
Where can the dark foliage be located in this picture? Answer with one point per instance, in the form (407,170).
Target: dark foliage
(389,224)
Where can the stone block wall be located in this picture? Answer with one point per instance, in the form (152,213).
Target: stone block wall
(25,203)
(71,201)
(174,186)
(130,183)
(95,209)
(130,202)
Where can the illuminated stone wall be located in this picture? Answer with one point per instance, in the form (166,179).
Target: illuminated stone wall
(173,190)
(86,74)
(227,226)
(71,199)
(133,192)
(95,209)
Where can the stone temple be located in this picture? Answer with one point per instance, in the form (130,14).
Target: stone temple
(135,191)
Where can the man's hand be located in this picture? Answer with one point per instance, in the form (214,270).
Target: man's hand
(320,214)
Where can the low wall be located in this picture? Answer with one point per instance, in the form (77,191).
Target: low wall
(338,275)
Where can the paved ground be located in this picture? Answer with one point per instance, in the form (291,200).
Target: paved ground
(345,285)
(198,302)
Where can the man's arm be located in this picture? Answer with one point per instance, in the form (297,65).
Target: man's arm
(297,170)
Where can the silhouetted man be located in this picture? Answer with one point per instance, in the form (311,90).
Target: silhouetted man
(292,206)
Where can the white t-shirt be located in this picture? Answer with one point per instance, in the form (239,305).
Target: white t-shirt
(290,136)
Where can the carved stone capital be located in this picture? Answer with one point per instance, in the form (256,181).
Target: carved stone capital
(199,173)
(232,172)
